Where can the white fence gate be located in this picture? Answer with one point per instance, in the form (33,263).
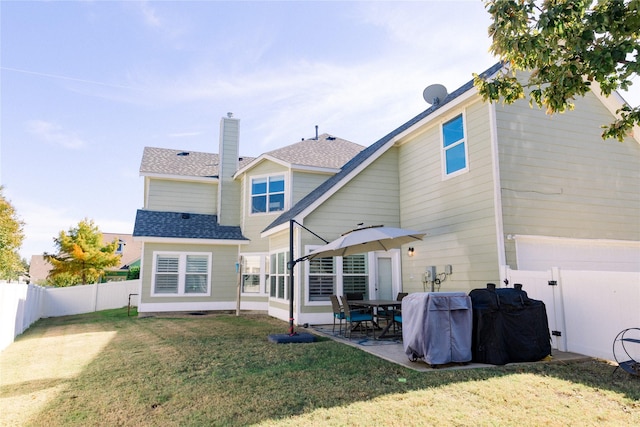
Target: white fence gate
(21,304)
(586,309)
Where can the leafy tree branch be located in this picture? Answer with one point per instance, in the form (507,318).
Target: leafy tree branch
(566,45)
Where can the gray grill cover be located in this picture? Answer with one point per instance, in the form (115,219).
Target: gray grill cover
(436,327)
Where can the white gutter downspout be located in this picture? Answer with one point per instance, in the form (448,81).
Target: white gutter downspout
(497,193)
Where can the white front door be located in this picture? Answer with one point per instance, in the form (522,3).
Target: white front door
(384,276)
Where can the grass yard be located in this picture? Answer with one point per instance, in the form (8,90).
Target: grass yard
(109,369)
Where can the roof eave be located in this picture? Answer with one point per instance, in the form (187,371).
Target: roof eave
(191,241)
(255,162)
(209,179)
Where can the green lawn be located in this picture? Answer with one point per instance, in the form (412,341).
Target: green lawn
(109,369)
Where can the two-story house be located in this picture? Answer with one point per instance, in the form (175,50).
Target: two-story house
(204,213)
(492,186)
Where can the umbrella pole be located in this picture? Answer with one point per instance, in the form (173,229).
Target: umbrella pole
(292,263)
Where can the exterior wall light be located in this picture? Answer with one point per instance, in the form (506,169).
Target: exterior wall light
(410,251)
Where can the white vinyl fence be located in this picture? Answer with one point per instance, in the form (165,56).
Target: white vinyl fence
(21,304)
(586,309)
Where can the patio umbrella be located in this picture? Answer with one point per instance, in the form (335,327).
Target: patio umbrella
(367,239)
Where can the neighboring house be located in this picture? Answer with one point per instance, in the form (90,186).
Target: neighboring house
(130,252)
(39,269)
(492,185)
(129,249)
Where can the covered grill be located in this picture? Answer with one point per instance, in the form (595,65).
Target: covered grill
(508,326)
(436,327)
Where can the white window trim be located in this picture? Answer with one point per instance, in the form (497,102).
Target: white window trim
(182,267)
(286,276)
(339,290)
(443,157)
(250,193)
(264,286)
(337,273)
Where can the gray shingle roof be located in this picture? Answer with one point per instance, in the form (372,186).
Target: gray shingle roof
(183,225)
(166,161)
(325,152)
(369,151)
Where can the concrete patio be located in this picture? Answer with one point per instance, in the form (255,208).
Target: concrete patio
(393,351)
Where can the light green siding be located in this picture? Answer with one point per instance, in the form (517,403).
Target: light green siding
(457,213)
(279,241)
(182,196)
(229,190)
(304,183)
(253,224)
(370,198)
(223,273)
(559,178)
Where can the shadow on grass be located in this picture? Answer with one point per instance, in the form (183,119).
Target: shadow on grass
(221,370)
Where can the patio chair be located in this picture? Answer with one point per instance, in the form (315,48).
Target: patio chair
(355,318)
(397,314)
(355,296)
(386,314)
(338,313)
(397,321)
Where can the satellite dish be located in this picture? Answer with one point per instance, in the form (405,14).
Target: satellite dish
(433,94)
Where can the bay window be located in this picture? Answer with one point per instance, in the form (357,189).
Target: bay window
(279,275)
(253,268)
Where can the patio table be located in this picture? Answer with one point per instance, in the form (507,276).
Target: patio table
(376,304)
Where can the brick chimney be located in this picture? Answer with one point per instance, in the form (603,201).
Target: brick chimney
(228,189)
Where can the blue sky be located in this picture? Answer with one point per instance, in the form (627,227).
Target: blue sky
(86,85)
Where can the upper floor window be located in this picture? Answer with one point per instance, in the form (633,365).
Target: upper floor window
(181,274)
(267,194)
(454,146)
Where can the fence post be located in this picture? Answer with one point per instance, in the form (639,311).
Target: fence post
(95,297)
(558,307)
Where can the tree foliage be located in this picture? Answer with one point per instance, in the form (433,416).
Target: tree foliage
(11,237)
(133,273)
(566,45)
(82,257)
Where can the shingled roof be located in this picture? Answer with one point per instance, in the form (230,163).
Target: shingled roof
(164,161)
(183,225)
(323,188)
(325,152)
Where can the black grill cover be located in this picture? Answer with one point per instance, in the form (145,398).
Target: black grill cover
(508,326)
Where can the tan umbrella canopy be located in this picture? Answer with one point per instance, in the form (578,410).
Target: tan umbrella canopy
(367,239)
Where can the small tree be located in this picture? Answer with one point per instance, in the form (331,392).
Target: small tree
(11,237)
(133,273)
(566,45)
(82,257)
